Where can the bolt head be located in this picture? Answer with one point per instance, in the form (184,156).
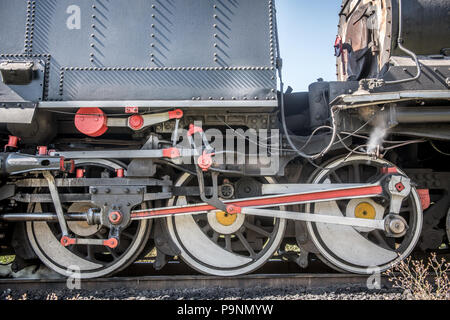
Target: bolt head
(397,226)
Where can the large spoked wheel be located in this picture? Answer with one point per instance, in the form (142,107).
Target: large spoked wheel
(222,245)
(91,261)
(361,250)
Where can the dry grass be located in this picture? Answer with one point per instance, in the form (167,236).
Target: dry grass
(422,280)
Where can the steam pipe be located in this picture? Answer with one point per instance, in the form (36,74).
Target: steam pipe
(421,115)
(408,52)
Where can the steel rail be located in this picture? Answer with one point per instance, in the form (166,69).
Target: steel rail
(274,281)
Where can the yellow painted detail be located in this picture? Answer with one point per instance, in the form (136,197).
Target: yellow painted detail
(226,219)
(365,211)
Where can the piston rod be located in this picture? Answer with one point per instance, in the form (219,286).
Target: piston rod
(41,217)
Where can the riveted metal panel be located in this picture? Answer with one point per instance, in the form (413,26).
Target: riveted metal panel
(244,33)
(54,33)
(153,49)
(120,34)
(168,85)
(13,22)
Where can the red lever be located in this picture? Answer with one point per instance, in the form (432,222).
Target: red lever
(111,243)
(171,153)
(66,241)
(193,130)
(232,209)
(177,114)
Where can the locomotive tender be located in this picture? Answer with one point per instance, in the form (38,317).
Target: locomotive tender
(134,125)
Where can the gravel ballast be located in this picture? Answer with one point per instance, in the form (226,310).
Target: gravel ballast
(348,293)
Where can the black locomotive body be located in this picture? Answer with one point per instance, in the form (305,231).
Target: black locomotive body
(164,124)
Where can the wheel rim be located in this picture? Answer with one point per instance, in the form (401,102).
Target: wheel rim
(359,250)
(206,250)
(90,261)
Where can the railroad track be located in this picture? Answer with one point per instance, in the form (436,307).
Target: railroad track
(176,275)
(306,281)
(274,275)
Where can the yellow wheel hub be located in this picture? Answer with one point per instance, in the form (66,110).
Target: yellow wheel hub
(365,211)
(226,219)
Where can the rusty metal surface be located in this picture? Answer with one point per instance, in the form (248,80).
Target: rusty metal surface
(374,26)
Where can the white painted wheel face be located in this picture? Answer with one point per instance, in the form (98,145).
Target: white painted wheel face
(90,261)
(60,259)
(201,252)
(81,228)
(352,249)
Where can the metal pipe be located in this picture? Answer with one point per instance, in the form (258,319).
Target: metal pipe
(421,115)
(405,50)
(41,217)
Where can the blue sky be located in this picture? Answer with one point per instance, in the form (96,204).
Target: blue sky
(307,31)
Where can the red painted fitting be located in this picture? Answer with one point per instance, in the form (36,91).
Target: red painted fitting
(171,153)
(131,110)
(120,173)
(62,164)
(400,187)
(136,122)
(42,150)
(72,166)
(232,209)
(425,199)
(111,243)
(115,217)
(177,114)
(66,241)
(13,141)
(80,173)
(205,161)
(92,122)
(389,170)
(193,130)
(68,166)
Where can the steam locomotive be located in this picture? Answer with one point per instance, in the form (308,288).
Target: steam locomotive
(165,124)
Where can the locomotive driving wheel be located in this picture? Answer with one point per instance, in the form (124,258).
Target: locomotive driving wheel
(361,250)
(91,261)
(220,244)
